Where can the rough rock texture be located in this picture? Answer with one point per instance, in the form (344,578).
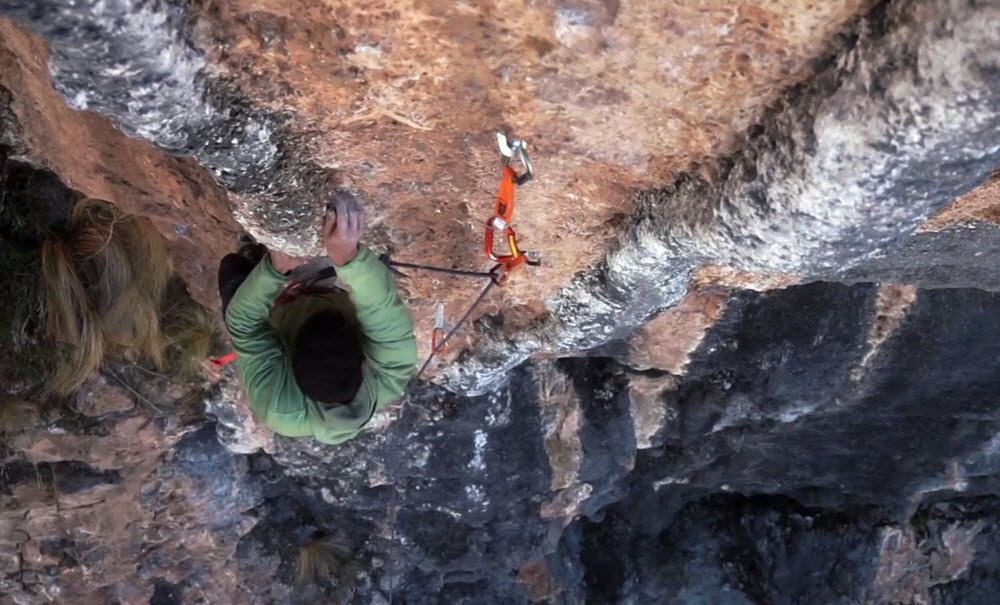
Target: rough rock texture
(101,50)
(957,257)
(893,476)
(666,341)
(700,424)
(762,549)
(286,102)
(409,124)
(981,204)
(839,172)
(94,159)
(774,475)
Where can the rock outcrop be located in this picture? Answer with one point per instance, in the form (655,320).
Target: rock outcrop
(285,103)
(847,167)
(776,472)
(777,387)
(91,157)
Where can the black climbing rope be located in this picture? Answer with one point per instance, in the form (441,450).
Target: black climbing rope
(495,277)
(461,272)
(457,327)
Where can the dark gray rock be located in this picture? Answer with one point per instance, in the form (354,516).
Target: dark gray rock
(979,584)
(734,550)
(214,475)
(455,486)
(769,549)
(165,593)
(786,477)
(771,405)
(847,477)
(73,476)
(965,257)
(607,437)
(881,439)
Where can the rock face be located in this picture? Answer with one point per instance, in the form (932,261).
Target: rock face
(833,177)
(95,160)
(777,409)
(286,107)
(776,474)
(777,387)
(285,103)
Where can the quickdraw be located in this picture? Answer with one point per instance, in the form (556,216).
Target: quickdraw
(503,214)
(500,222)
(503,211)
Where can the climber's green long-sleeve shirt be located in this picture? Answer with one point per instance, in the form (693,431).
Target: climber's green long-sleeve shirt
(264,363)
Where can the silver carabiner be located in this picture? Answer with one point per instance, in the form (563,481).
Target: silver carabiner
(519,149)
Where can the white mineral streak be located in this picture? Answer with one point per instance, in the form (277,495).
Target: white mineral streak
(838,177)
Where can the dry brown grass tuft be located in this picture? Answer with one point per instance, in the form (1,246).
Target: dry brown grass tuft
(70,320)
(104,281)
(327,560)
(193,334)
(317,563)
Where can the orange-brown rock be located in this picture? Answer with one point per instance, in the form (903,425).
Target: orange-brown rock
(980,204)
(667,341)
(402,100)
(85,150)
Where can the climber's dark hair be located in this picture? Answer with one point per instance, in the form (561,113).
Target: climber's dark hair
(327,357)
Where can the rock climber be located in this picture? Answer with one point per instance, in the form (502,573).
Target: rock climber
(319,361)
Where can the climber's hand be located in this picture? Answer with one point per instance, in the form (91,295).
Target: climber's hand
(343,230)
(284,263)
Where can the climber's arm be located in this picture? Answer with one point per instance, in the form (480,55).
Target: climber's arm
(261,362)
(390,346)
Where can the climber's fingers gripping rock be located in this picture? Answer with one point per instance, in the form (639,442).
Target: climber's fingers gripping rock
(342,231)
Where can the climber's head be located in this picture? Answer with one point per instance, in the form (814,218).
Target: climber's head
(327,358)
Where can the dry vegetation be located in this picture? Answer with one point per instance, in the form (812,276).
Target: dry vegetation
(89,287)
(326,561)
(193,335)
(104,282)
(17,415)
(317,563)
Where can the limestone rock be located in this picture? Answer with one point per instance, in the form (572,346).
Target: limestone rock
(286,104)
(239,429)
(829,179)
(97,398)
(717,403)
